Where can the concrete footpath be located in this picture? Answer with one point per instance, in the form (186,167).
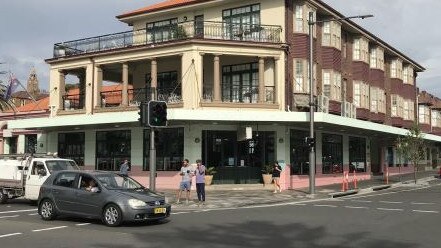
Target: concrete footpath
(236,196)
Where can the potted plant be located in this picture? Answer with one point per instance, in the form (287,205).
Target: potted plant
(267,171)
(209,172)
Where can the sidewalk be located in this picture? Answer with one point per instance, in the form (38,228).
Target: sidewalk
(235,196)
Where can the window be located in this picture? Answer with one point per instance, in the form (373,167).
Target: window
(361,95)
(242,23)
(396,69)
(337,87)
(112,148)
(169,89)
(394,104)
(161,31)
(169,149)
(332,152)
(374,99)
(357,154)
(301,18)
(408,75)
(71,146)
(301,75)
(30,143)
(361,49)
(331,34)
(332,85)
(377,58)
(436,118)
(299,152)
(240,83)
(424,114)
(327,84)
(38,168)
(373,63)
(66,179)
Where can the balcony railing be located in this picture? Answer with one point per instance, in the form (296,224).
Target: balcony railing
(136,96)
(73,101)
(245,96)
(179,31)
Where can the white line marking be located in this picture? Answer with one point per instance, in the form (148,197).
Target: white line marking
(336,200)
(361,201)
(299,204)
(425,211)
(422,203)
(83,224)
(329,206)
(391,202)
(10,216)
(391,209)
(18,211)
(46,229)
(388,193)
(33,214)
(355,207)
(10,234)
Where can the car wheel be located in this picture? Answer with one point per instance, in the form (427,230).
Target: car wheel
(112,215)
(3,198)
(47,210)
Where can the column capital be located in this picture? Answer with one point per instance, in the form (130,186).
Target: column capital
(217,54)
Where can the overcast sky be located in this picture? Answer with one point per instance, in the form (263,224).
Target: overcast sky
(29,28)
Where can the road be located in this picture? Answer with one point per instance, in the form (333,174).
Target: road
(400,217)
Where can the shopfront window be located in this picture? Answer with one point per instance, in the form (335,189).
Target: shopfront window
(31,143)
(71,146)
(169,144)
(299,152)
(357,154)
(112,148)
(332,151)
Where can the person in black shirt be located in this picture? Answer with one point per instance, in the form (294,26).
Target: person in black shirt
(276,176)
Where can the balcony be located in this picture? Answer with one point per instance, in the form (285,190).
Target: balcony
(176,32)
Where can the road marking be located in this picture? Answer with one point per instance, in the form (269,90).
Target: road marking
(391,202)
(355,207)
(422,203)
(83,224)
(18,211)
(33,214)
(425,211)
(299,204)
(391,209)
(323,205)
(361,201)
(388,193)
(10,234)
(47,229)
(336,200)
(10,216)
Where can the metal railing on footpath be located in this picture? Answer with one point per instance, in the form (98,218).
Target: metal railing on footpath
(174,32)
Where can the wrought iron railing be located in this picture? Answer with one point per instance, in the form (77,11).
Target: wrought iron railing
(73,101)
(136,96)
(249,95)
(179,31)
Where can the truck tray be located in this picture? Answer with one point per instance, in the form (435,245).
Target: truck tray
(9,183)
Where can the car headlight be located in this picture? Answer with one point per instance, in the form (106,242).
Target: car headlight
(135,203)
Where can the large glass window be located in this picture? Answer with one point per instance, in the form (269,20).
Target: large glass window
(169,149)
(71,146)
(30,143)
(361,95)
(357,154)
(301,75)
(332,84)
(242,23)
(240,83)
(332,34)
(161,31)
(112,148)
(299,152)
(332,152)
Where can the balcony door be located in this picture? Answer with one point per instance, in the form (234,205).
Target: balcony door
(240,83)
(199,26)
(242,23)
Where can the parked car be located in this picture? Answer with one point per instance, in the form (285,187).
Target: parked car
(108,196)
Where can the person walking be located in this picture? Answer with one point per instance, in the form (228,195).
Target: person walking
(124,168)
(185,184)
(200,181)
(276,176)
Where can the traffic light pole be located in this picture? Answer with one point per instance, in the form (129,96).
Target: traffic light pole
(152,167)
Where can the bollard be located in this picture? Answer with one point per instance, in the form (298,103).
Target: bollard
(345,183)
(354,180)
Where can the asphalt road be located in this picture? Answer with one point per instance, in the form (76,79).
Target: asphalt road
(401,217)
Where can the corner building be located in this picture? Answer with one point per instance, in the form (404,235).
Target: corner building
(235,77)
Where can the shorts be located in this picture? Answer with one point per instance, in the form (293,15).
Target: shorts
(185,186)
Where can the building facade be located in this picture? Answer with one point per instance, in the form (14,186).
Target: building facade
(235,77)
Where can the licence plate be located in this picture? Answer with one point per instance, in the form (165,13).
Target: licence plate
(160,210)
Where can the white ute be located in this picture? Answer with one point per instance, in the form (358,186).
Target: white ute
(22,175)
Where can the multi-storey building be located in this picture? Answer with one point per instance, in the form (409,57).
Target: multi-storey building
(235,77)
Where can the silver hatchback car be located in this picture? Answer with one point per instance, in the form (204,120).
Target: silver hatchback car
(108,196)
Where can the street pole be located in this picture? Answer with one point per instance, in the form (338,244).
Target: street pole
(312,104)
(152,165)
(311,107)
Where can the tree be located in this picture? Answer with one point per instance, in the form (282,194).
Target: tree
(412,147)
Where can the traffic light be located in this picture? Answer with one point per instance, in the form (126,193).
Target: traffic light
(143,114)
(157,116)
(310,141)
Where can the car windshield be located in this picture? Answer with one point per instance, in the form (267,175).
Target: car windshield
(58,165)
(115,181)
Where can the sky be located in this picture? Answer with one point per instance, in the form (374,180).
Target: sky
(29,28)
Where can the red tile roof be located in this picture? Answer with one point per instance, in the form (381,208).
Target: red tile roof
(42,104)
(168,4)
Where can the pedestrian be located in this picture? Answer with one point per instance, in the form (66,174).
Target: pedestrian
(124,168)
(276,176)
(185,184)
(200,181)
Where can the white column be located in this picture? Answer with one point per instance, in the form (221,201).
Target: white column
(216,79)
(125,84)
(97,86)
(261,80)
(89,88)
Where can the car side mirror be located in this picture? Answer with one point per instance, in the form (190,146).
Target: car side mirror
(42,172)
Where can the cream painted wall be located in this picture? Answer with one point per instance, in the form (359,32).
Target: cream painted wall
(52,141)
(21,143)
(192,150)
(42,143)
(89,147)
